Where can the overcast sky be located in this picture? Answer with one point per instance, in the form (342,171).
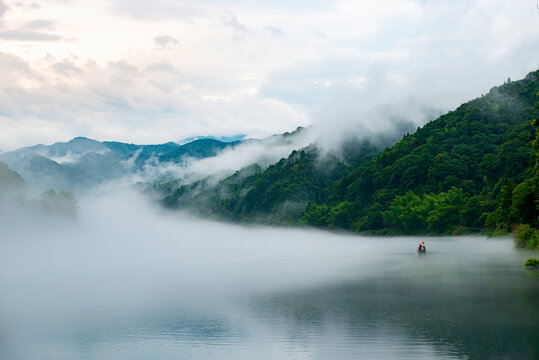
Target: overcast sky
(154,71)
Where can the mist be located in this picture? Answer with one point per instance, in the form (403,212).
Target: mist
(100,285)
(124,260)
(118,236)
(263,152)
(114,250)
(382,124)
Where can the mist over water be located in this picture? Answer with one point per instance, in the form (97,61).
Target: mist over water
(130,281)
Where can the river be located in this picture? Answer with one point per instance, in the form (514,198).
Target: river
(151,286)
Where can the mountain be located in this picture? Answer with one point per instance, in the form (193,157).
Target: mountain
(11,183)
(81,163)
(276,195)
(279,193)
(450,174)
(225,139)
(197,149)
(129,150)
(16,202)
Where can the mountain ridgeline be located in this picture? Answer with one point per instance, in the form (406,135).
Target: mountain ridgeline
(81,163)
(470,169)
(276,195)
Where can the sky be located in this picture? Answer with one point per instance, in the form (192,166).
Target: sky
(157,71)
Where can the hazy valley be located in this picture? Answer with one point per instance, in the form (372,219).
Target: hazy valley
(307,180)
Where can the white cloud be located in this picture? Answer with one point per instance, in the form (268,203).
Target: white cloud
(296,64)
(26,35)
(275,31)
(263,153)
(3,8)
(123,102)
(165,41)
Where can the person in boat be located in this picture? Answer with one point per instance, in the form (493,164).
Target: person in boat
(419,248)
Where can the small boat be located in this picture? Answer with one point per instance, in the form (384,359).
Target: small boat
(421,248)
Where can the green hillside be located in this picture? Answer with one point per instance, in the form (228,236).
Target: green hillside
(277,195)
(453,174)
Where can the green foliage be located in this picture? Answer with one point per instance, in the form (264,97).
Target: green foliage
(284,193)
(523,205)
(316,215)
(435,213)
(526,236)
(491,233)
(520,204)
(470,168)
(532,262)
(342,215)
(406,212)
(481,148)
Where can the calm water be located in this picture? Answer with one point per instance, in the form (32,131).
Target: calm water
(265,294)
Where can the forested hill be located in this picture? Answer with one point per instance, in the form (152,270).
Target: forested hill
(276,195)
(451,173)
(456,172)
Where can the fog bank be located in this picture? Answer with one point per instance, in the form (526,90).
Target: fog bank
(123,255)
(128,279)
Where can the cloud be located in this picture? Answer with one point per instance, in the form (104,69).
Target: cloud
(163,9)
(165,41)
(262,152)
(162,67)
(3,8)
(25,35)
(274,31)
(66,67)
(37,24)
(32,6)
(429,57)
(191,10)
(120,101)
(31,31)
(230,20)
(13,69)
(328,66)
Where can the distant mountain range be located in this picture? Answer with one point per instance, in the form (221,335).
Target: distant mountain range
(83,163)
(225,139)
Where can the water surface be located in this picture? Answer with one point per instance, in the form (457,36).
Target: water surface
(190,290)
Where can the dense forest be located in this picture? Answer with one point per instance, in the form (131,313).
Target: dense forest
(471,169)
(278,194)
